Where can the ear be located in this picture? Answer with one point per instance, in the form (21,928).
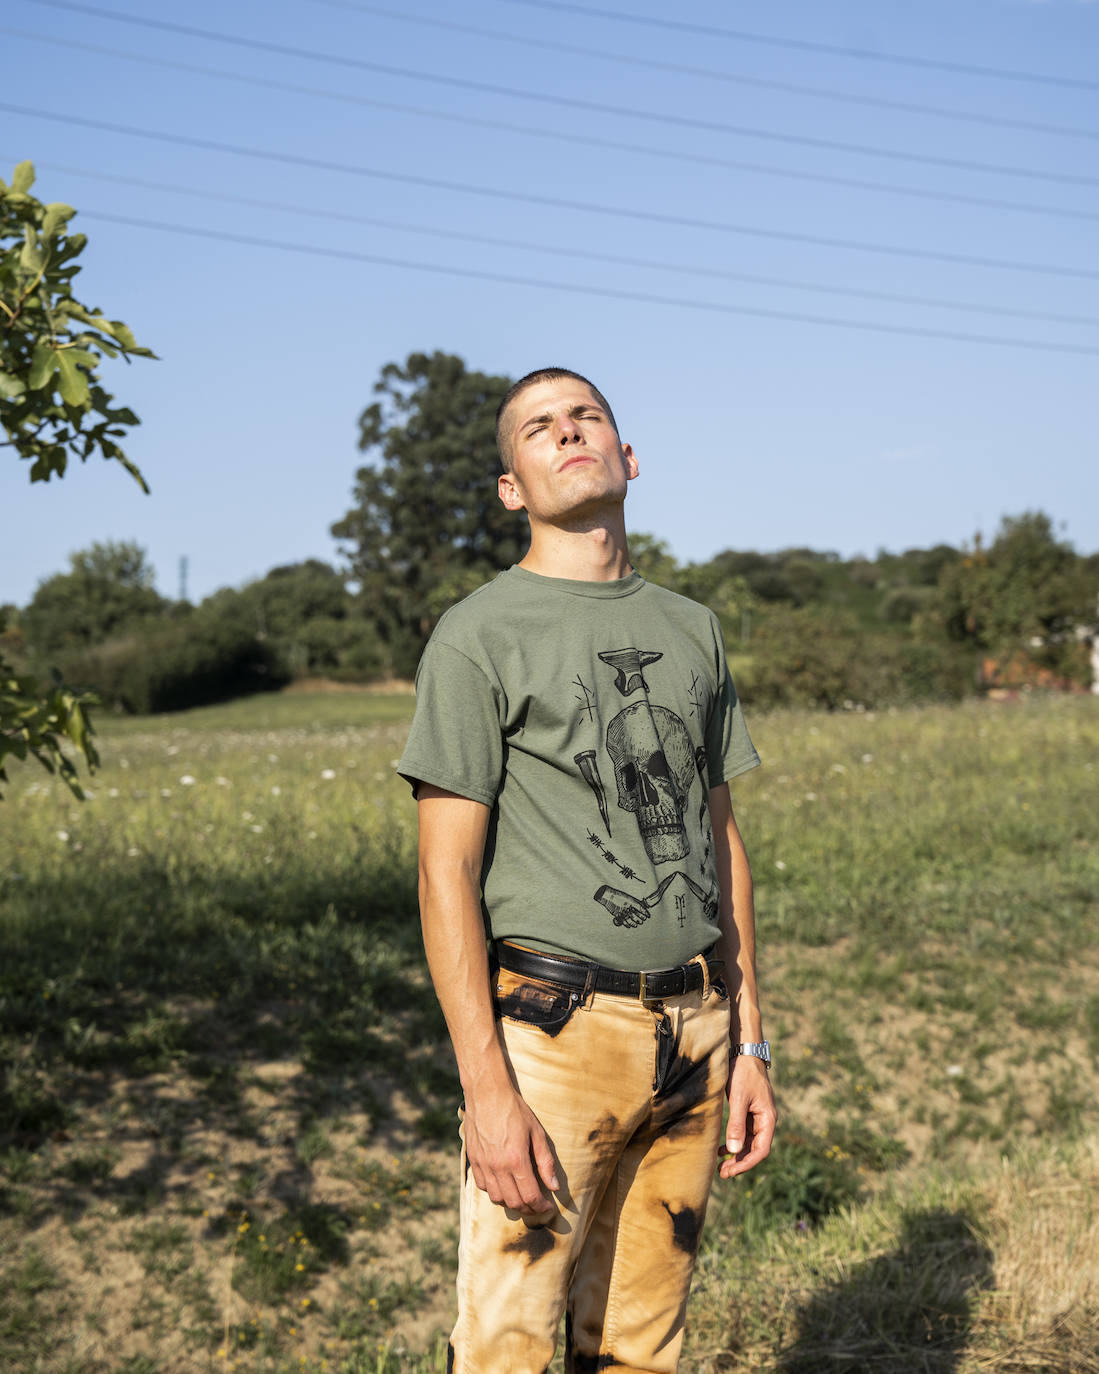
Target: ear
(509,492)
(630,462)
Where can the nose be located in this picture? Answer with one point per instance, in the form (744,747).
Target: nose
(568,431)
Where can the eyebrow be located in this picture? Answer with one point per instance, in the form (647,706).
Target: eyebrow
(574,411)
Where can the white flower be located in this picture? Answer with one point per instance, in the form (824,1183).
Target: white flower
(172,749)
(328,774)
(165,791)
(246,815)
(838,768)
(89,796)
(132,852)
(272,758)
(276,791)
(112,792)
(186,780)
(780,865)
(954,1070)
(868,758)
(62,835)
(810,796)
(256,829)
(223,782)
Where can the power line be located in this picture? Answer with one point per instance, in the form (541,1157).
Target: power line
(556,250)
(559,101)
(807,45)
(632,213)
(544,44)
(643,297)
(585,140)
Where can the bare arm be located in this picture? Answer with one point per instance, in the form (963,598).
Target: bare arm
(507,1149)
(752,1115)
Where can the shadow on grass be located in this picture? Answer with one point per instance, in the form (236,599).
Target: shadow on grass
(152,994)
(910,1310)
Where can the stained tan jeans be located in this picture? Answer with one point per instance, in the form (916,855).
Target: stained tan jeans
(630,1095)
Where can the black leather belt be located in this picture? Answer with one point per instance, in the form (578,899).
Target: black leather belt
(646,986)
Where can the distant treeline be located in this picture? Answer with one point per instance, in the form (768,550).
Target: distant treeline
(802,627)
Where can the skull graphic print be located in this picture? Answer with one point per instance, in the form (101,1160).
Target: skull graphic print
(654,764)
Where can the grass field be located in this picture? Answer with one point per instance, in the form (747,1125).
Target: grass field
(227,1110)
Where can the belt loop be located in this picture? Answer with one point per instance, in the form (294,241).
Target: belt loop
(641,986)
(701,960)
(589,986)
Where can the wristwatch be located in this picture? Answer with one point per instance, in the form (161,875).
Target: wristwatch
(757,1049)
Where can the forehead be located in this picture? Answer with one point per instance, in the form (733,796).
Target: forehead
(551,397)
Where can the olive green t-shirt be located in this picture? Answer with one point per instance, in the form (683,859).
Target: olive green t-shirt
(592,718)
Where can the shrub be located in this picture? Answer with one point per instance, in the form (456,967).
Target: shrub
(199,660)
(817,657)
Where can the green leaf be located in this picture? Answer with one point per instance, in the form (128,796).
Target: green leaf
(57,215)
(71,382)
(43,365)
(11,387)
(30,259)
(82,357)
(23,177)
(124,335)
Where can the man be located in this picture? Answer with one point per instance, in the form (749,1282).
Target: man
(575,731)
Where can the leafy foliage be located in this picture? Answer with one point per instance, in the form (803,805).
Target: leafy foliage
(51,346)
(207,655)
(1027,588)
(426,526)
(108,588)
(815,656)
(33,722)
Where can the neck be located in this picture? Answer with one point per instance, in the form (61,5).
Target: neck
(597,554)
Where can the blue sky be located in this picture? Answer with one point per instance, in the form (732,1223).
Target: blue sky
(754,430)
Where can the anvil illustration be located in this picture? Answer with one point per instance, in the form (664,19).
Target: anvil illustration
(627,664)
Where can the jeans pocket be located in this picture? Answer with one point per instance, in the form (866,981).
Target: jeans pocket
(535,1002)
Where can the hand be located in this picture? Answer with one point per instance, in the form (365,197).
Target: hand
(752,1117)
(510,1153)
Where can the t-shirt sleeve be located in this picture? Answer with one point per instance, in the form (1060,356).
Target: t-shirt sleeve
(729,748)
(456,741)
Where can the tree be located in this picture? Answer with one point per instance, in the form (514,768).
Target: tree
(1027,592)
(107,589)
(302,611)
(426,516)
(52,407)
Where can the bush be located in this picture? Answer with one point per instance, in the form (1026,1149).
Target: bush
(816,657)
(197,661)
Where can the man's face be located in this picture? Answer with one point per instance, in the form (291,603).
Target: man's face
(567,462)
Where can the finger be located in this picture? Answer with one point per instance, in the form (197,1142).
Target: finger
(545,1163)
(531,1196)
(732,1167)
(736,1131)
(495,1189)
(759,1136)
